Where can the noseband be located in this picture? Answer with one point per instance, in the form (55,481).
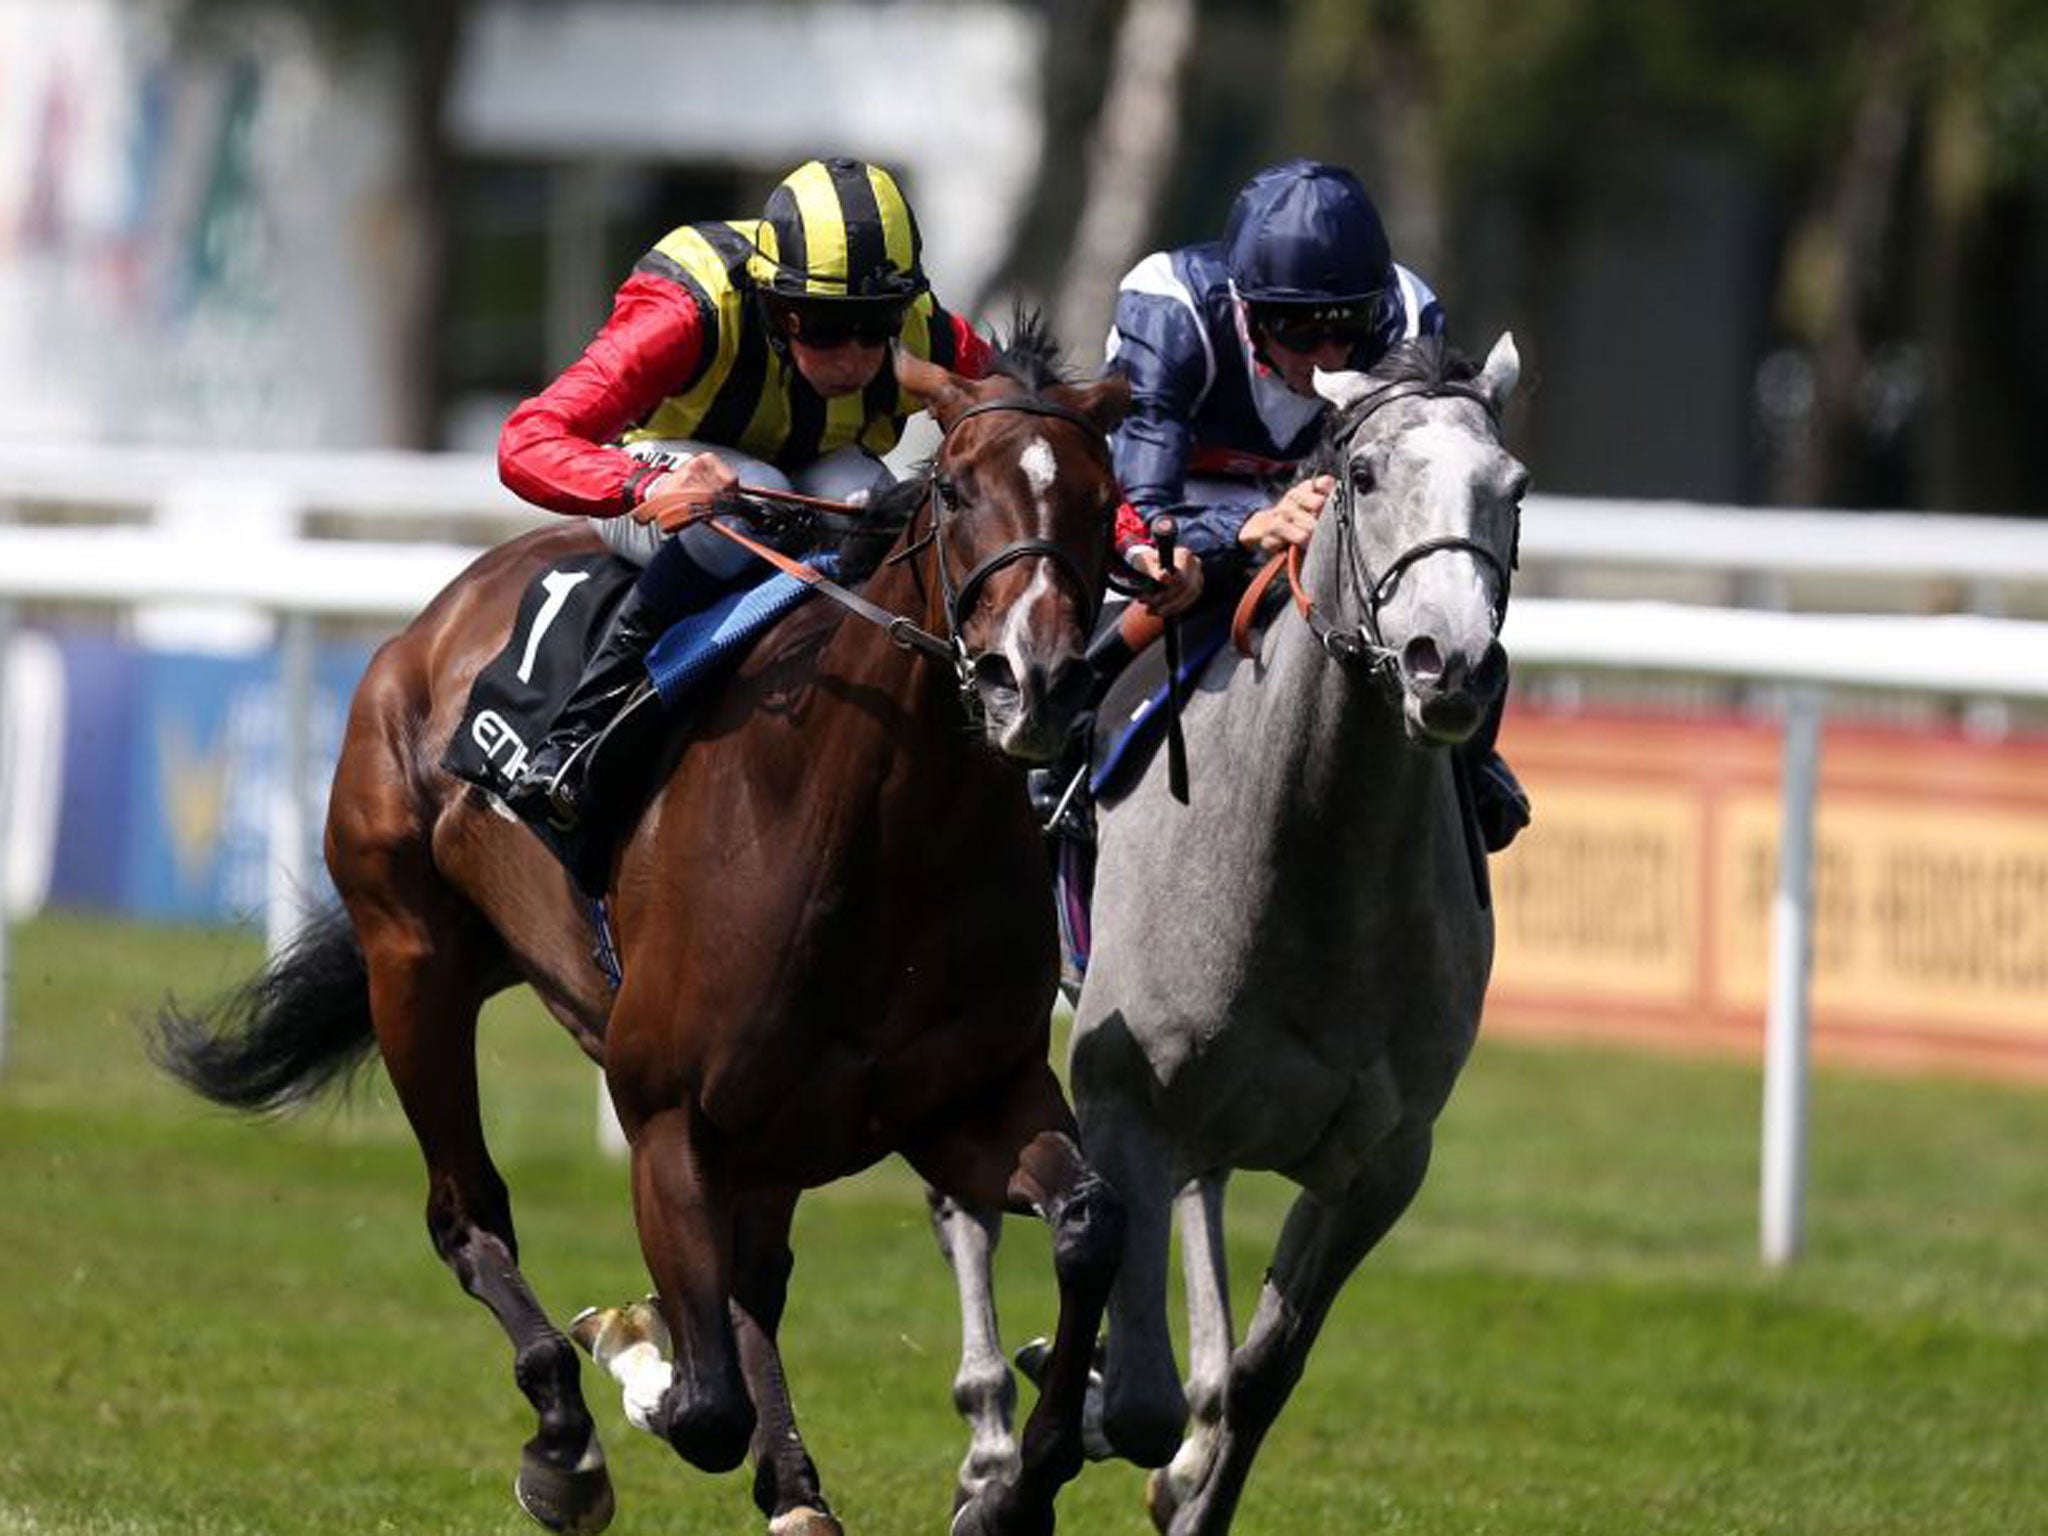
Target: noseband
(1374,592)
(945,499)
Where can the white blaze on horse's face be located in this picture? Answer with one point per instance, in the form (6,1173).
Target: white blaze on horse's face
(1029,674)
(1017,643)
(1420,470)
(1040,471)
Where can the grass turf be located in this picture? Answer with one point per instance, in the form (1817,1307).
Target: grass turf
(208,1325)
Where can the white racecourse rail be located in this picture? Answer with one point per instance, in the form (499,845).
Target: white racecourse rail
(302,581)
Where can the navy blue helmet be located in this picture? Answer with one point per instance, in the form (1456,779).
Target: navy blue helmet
(1304,233)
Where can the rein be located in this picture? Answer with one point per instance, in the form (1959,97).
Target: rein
(1365,643)
(843,518)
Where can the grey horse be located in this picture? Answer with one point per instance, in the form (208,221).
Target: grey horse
(1288,971)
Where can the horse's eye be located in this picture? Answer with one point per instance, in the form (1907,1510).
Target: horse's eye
(1361,477)
(949,493)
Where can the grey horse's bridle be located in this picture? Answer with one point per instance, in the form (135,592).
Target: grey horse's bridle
(1374,592)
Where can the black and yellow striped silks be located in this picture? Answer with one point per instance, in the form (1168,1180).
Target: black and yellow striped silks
(838,229)
(745,394)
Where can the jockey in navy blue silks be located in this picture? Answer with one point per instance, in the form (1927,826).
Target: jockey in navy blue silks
(1220,342)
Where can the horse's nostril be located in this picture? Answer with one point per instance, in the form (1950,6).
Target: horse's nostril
(992,671)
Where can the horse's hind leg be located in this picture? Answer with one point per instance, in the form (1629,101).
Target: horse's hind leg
(786,1483)
(983,1389)
(1199,1211)
(424,960)
(1320,1245)
(1022,1154)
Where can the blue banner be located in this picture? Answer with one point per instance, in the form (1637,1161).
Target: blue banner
(171,764)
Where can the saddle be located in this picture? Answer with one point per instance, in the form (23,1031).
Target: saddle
(562,617)
(1111,747)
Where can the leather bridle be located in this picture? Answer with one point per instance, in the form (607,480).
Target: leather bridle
(945,499)
(1374,590)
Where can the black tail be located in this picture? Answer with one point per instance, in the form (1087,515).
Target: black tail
(298,1026)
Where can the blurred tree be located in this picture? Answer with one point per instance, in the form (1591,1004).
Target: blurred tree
(1080,37)
(1904,141)
(1126,162)
(415,43)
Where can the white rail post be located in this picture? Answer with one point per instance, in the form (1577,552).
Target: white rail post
(6,794)
(290,817)
(1786,1025)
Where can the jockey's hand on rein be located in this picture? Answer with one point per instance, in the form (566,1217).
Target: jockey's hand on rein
(702,477)
(1290,521)
(1178,589)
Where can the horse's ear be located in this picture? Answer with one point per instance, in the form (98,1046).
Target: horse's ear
(1104,402)
(944,392)
(1502,372)
(1343,388)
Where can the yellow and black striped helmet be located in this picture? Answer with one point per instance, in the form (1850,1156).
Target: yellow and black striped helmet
(839,229)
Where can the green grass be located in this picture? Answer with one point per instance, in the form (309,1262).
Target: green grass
(214,1326)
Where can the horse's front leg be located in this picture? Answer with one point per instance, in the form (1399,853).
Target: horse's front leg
(983,1389)
(1144,1410)
(1320,1245)
(684,1209)
(786,1486)
(1199,1213)
(1024,1157)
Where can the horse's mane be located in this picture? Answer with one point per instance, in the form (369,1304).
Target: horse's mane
(1031,356)
(1430,361)
(1423,360)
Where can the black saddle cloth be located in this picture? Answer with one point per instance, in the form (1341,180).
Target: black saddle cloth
(562,617)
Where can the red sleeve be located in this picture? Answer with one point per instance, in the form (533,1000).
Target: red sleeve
(1131,530)
(972,355)
(553,450)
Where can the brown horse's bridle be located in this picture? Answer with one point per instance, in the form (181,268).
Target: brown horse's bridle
(943,499)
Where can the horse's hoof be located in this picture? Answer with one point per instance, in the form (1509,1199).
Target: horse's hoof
(804,1522)
(1162,1503)
(577,1503)
(983,1515)
(1033,1360)
(608,1332)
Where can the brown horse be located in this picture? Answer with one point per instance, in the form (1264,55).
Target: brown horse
(835,931)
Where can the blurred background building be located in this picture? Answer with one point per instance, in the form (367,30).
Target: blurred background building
(1754,255)
(1751,255)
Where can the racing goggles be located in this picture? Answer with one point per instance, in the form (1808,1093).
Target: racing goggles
(847,323)
(1302,328)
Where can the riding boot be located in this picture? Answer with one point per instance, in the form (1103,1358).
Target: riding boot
(1499,802)
(556,780)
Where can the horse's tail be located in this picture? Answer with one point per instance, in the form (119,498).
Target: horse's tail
(297,1027)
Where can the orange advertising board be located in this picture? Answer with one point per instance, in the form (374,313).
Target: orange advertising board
(1639,901)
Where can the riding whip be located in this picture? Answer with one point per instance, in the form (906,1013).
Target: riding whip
(1165,534)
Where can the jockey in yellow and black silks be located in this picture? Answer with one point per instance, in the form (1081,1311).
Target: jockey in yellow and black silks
(750,350)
